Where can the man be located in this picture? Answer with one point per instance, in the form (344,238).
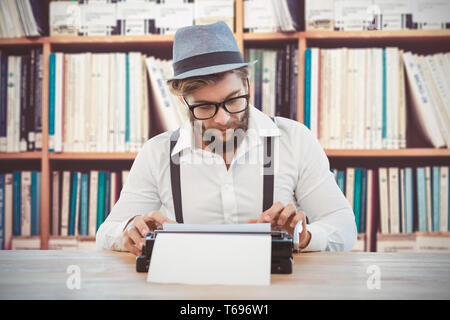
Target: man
(230,163)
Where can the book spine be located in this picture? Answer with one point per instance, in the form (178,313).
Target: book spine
(51,104)
(73,203)
(357,199)
(38,101)
(93,188)
(2,211)
(34,221)
(31,105)
(24,103)
(84,204)
(394,200)
(429,199)
(25,218)
(444,188)
(341,180)
(435,193)
(55,202)
(363,201)
(100,198)
(127,103)
(38,202)
(9,212)
(106,199)
(384,99)
(421,200)
(293,98)
(3,100)
(307,107)
(65,203)
(409,205)
(384,200)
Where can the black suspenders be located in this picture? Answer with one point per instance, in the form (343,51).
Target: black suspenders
(268,180)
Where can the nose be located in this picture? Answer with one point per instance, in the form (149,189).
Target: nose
(222,117)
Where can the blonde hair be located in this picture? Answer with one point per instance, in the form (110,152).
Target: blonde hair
(184,87)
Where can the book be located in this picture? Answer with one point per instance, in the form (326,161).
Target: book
(56,203)
(25,203)
(357,198)
(427,121)
(384,200)
(65,203)
(435,197)
(100,198)
(421,200)
(93,189)
(2,211)
(8,210)
(394,200)
(444,198)
(409,205)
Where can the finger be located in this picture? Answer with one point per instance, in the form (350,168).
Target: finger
(287,212)
(136,238)
(273,212)
(156,217)
(295,220)
(252,221)
(130,247)
(141,226)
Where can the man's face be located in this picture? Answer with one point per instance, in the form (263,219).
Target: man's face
(224,128)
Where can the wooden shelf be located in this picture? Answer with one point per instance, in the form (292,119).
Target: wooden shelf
(93,156)
(377,34)
(20,155)
(398,153)
(114,39)
(275,36)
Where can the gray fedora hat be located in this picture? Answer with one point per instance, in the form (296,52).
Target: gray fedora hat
(205,49)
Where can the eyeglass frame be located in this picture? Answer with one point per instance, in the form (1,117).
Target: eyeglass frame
(220,104)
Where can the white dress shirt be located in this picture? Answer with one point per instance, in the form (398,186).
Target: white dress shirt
(211,194)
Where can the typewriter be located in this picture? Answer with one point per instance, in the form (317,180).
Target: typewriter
(281,259)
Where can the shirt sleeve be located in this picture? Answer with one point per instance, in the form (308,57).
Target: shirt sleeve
(331,218)
(139,195)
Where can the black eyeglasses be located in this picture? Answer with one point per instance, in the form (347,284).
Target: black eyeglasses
(208,110)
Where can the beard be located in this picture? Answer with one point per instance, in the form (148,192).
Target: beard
(215,140)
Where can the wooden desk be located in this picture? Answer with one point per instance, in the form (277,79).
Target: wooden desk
(321,275)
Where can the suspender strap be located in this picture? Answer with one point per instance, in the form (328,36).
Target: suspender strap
(268,179)
(175,177)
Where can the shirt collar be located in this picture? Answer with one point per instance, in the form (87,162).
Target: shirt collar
(259,125)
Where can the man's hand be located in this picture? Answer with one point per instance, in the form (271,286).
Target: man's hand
(285,218)
(135,231)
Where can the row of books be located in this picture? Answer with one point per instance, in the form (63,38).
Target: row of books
(376,14)
(169,110)
(272,15)
(274,79)
(21,101)
(22,18)
(81,201)
(98,102)
(357,98)
(429,82)
(135,17)
(397,200)
(20,205)
(400,188)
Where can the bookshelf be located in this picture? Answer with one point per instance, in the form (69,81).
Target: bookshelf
(162,45)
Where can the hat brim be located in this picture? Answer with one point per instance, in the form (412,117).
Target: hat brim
(211,70)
